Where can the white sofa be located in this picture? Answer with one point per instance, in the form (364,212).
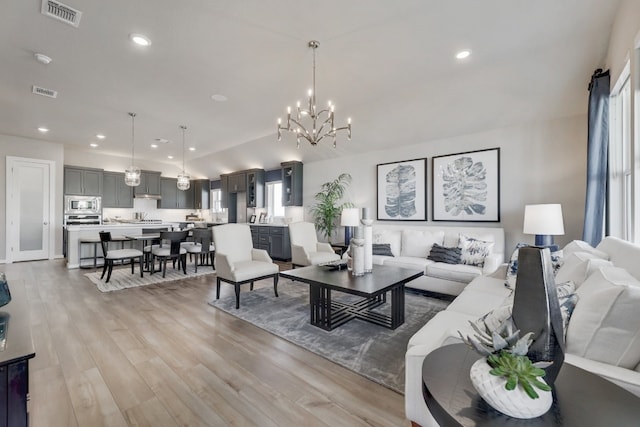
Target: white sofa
(603,335)
(411,245)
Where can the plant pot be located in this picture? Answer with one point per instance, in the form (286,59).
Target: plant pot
(514,403)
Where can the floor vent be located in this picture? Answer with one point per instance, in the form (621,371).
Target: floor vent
(61,12)
(44,92)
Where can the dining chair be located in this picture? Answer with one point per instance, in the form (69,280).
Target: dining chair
(170,248)
(203,247)
(237,262)
(111,255)
(305,248)
(153,244)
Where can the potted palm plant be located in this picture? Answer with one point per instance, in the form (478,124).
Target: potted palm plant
(327,208)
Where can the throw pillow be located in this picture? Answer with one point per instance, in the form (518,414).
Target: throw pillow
(578,266)
(605,325)
(443,254)
(582,246)
(392,237)
(383,249)
(418,243)
(474,251)
(568,299)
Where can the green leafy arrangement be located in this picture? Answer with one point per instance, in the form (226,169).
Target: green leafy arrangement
(506,353)
(327,209)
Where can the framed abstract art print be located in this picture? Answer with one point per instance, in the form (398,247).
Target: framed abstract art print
(466,186)
(402,190)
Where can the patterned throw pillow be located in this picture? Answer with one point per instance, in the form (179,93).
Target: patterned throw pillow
(383,249)
(443,254)
(474,251)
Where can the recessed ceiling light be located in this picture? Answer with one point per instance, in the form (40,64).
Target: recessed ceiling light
(192,148)
(154,145)
(140,39)
(463,54)
(219,97)
(43,129)
(93,145)
(100,136)
(169,157)
(43,59)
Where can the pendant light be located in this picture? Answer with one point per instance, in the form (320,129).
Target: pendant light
(132,173)
(184,180)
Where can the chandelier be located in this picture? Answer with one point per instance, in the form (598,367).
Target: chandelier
(319,124)
(132,173)
(184,180)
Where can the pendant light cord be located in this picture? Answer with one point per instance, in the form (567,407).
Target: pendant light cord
(184,128)
(133,134)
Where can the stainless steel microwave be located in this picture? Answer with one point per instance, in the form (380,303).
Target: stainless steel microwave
(82,205)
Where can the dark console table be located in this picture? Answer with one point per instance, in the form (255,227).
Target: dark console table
(580,398)
(16,348)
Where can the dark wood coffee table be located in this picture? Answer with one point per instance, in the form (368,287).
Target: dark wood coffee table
(328,314)
(580,398)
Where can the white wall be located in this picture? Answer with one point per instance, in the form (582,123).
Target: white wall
(34,149)
(625,28)
(540,163)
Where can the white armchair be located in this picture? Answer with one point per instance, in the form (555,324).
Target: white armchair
(305,248)
(237,262)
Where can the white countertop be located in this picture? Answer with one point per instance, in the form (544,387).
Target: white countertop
(98,227)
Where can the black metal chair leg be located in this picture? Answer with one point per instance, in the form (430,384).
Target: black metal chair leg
(218,288)
(110,269)
(133,263)
(164,268)
(237,286)
(251,286)
(184,263)
(275,284)
(104,269)
(141,269)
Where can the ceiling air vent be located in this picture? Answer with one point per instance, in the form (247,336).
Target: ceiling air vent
(44,92)
(62,12)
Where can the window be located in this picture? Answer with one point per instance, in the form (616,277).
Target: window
(216,201)
(274,199)
(621,163)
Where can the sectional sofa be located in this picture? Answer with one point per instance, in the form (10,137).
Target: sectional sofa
(603,333)
(411,245)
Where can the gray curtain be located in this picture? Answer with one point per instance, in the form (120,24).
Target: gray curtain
(597,149)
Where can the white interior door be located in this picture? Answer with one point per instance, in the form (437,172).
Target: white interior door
(29,211)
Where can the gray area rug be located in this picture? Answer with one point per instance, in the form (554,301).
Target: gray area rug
(370,350)
(121,278)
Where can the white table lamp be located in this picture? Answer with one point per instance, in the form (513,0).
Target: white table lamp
(350,218)
(545,221)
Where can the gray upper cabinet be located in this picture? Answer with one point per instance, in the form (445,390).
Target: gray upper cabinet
(149,184)
(116,194)
(291,183)
(255,188)
(172,198)
(237,182)
(82,181)
(224,191)
(201,193)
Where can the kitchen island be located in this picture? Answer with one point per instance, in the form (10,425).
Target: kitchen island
(77,233)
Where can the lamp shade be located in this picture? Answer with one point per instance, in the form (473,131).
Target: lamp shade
(350,217)
(543,220)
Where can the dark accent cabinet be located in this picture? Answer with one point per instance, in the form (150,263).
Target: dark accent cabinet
(172,197)
(273,239)
(237,182)
(17,349)
(255,188)
(201,193)
(115,193)
(82,181)
(291,183)
(149,184)
(224,191)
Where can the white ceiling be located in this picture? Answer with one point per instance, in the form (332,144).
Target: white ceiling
(387,64)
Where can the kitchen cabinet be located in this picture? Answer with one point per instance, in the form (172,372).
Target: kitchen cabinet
(115,193)
(273,239)
(224,191)
(237,182)
(291,183)
(149,184)
(82,181)
(201,193)
(172,198)
(255,188)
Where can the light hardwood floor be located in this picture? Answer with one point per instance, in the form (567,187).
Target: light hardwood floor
(161,356)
